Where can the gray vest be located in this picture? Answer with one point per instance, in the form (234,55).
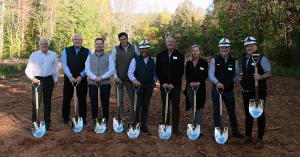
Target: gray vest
(99,66)
(123,59)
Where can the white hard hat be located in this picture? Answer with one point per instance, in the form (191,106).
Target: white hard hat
(224,42)
(144,44)
(249,40)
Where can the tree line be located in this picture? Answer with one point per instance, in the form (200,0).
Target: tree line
(274,23)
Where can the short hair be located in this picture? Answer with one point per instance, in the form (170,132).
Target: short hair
(46,39)
(194,46)
(99,39)
(170,36)
(122,34)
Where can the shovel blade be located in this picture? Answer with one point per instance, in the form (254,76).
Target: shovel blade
(256,107)
(221,135)
(77,124)
(100,128)
(193,131)
(164,131)
(133,131)
(118,125)
(39,129)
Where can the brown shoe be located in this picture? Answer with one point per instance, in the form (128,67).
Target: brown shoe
(246,140)
(259,144)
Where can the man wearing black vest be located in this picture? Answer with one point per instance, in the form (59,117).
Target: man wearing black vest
(142,74)
(248,85)
(224,72)
(169,71)
(121,56)
(73,63)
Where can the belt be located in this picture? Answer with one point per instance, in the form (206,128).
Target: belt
(43,77)
(247,91)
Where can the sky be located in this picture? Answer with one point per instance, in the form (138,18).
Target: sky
(150,6)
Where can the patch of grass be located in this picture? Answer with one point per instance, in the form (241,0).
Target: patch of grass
(285,71)
(12,69)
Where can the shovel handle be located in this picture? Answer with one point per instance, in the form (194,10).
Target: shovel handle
(220,99)
(135,88)
(167,90)
(75,99)
(98,93)
(195,103)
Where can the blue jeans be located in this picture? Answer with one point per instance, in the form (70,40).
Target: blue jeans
(104,98)
(228,98)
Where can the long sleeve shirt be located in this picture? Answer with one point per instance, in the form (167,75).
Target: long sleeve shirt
(211,72)
(65,67)
(41,64)
(106,75)
(113,55)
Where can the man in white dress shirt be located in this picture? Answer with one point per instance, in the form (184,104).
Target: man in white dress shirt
(42,69)
(98,68)
(142,74)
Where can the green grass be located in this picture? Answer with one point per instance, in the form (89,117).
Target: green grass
(12,69)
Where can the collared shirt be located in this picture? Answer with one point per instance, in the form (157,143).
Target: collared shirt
(132,68)
(113,55)
(265,64)
(89,73)
(41,64)
(64,64)
(212,68)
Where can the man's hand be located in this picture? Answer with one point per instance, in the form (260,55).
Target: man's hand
(165,85)
(99,79)
(117,80)
(195,84)
(257,77)
(72,79)
(220,86)
(78,79)
(35,80)
(136,83)
(171,86)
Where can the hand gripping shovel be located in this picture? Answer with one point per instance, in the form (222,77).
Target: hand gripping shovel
(39,126)
(165,130)
(193,129)
(256,106)
(76,120)
(134,128)
(101,127)
(221,133)
(118,122)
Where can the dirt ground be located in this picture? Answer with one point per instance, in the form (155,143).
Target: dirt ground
(282,136)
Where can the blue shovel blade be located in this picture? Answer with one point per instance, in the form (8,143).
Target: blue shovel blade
(118,125)
(164,132)
(193,131)
(77,125)
(40,131)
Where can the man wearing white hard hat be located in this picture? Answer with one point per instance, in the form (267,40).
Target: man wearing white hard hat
(142,74)
(223,73)
(248,85)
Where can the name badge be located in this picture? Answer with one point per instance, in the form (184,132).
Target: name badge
(253,64)
(230,69)
(201,68)
(174,57)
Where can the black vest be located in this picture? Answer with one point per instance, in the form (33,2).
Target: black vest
(76,63)
(144,73)
(247,81)
(224,72)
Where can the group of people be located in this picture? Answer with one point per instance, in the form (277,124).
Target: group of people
(131,67)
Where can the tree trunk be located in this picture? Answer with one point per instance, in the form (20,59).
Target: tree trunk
(2,11)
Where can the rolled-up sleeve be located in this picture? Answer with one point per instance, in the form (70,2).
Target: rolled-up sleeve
(211,72)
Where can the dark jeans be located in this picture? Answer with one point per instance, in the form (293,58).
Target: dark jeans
(67,97)
(44,92)
(249,119)
(144,95)
(228,99)
(174,100)
(104,98)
